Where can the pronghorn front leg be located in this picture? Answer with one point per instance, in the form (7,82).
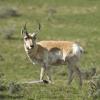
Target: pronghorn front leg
(45,70)
(48,74)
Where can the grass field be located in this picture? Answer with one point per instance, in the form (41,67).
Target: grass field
(75,20)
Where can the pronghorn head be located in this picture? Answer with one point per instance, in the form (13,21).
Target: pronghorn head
(29,38)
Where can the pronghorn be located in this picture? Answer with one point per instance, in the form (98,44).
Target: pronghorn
(49,53)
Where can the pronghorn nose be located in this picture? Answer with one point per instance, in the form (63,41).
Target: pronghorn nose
(32,46)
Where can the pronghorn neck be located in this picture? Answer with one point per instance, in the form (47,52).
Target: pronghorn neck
(31,52)
(36,54)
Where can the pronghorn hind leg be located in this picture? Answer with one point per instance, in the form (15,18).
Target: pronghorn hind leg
(70,70)
(78,72)
(70,75)
(72,62)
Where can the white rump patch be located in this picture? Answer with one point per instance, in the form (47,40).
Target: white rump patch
(77,50)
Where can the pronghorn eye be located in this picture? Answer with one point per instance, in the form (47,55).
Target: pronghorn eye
(25,38)
(34,38)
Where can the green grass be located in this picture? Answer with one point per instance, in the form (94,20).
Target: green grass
(75,20)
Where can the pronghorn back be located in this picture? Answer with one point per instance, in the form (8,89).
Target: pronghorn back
(63,45)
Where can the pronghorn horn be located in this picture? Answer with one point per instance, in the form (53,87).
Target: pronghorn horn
(39,26)
(25,27)
(24,30)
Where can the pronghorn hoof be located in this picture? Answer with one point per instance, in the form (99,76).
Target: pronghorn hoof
(45,81)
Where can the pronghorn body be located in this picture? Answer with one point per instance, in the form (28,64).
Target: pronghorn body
(48,53)
(65,47)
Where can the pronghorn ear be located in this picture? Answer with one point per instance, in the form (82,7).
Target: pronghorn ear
(34,35)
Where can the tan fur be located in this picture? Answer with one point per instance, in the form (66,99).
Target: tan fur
(64,46)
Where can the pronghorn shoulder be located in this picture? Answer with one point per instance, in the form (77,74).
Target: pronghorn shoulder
(41,48)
